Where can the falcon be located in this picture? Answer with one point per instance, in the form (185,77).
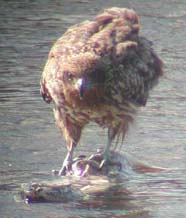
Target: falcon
(99,71)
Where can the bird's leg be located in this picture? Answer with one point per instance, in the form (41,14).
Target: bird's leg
(106,156)
(67,163)
(107,150)
(71,132)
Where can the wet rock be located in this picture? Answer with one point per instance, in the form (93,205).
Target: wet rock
(86,179)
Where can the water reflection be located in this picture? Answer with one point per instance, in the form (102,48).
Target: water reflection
(30,145)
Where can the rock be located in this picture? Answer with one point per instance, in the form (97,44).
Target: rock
(86,179)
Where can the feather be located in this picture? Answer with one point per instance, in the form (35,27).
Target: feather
(118,67)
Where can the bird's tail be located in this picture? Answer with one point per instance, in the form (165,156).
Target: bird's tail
(44,93)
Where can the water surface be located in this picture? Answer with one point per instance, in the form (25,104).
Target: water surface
(31,145)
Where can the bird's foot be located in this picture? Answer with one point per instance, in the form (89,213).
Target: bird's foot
(105,160)
(103,163)
(66,169)
(108,163)
(98,157)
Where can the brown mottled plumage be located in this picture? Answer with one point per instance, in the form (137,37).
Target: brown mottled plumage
(100,71)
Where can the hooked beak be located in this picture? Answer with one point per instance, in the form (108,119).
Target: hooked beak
(80,86)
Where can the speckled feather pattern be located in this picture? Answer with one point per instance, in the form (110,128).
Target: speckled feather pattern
(119,66)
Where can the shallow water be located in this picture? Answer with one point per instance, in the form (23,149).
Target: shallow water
(30,144)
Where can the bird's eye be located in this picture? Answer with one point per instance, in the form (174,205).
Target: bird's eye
(69,76)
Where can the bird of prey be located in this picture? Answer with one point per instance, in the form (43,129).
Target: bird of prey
(99,71)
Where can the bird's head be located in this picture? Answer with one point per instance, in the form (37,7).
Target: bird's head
(83,76)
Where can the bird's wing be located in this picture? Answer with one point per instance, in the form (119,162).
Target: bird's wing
(132,67)
(134,72)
